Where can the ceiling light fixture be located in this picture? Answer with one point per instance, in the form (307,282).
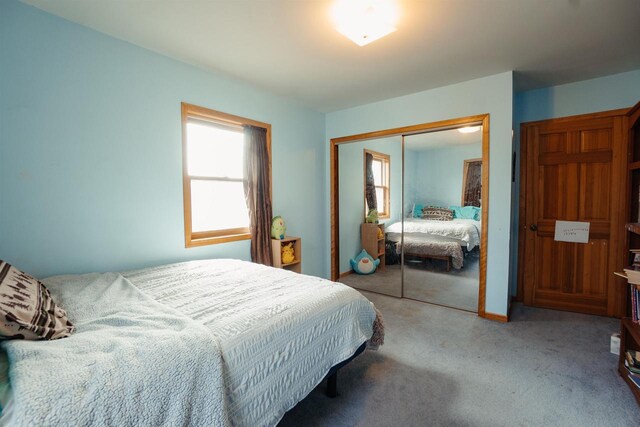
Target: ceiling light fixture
(365,21)
(469,129)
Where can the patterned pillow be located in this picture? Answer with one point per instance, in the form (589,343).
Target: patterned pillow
(437,214)
(27,310)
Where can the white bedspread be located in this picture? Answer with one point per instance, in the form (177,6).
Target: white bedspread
(131,362)
(279,332)
(467,231)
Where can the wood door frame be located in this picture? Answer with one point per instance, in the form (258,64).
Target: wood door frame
(522,205)
(481,119)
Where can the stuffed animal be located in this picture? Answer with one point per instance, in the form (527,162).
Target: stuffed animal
(372,216)
(364,263)
(380,233)
(288,254)
(278,229)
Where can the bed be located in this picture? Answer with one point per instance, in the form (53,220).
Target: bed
(215,342)
(465,231)
(433,239)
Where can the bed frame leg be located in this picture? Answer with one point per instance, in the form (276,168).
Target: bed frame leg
(332,385)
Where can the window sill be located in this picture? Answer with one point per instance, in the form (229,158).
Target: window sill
(205,241)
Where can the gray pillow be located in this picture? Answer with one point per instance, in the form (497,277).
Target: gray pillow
(27,310)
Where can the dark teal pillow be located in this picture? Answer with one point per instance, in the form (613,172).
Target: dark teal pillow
(465,212)
(456,211)
(417,211)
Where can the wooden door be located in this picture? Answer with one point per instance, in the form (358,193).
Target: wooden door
(574,170)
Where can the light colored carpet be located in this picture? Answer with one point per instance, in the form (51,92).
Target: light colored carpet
(429,281)
(442,367)
(386,282)
(425,280)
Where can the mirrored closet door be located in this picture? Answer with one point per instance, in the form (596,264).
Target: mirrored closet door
(408,208)
(370,212)
(442,217)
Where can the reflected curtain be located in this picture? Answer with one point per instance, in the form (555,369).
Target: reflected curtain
(473,188)
(257,192)
(370,185)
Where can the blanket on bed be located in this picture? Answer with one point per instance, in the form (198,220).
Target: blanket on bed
(279,332)
(132,361)
(467,231)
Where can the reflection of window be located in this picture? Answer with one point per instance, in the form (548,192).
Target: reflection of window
(215,205)
(380,168)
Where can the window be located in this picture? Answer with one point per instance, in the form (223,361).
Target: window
(215,209)
(380,167)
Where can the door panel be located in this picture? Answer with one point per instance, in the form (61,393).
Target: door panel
(572,166)
(553,143)
(595,140)
(557,187)
(595,189)
(555,276)
(591,268)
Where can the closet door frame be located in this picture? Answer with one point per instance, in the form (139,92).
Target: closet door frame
(478,120)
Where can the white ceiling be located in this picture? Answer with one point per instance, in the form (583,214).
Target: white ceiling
(290,48)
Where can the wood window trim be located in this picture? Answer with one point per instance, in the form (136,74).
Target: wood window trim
(204,238)
(386,189)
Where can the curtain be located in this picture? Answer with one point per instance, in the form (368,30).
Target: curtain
(473,190)
(370,185)
(257,192)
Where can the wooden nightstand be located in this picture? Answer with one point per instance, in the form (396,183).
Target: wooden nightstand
(374,245)
(276,250)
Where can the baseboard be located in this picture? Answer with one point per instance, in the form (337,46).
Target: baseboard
(497,317)
(346,273)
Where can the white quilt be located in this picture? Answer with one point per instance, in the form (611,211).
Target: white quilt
(467,231)
(131,362)
(279,332)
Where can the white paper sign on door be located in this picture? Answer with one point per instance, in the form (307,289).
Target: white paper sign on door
(572,231)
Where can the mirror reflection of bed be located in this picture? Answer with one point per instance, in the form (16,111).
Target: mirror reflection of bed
(442,205)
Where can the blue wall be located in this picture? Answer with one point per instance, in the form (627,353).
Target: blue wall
(491,95)
(434,176)
(588,96)
(351,163)
(90,151)
(90,154)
